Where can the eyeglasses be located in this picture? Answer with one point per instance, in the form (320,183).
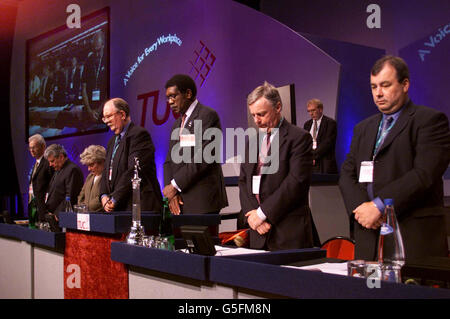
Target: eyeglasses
(107,117)
(172,96)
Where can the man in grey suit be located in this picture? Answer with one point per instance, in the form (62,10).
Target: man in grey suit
(404,149)
(275,200)
(192,186)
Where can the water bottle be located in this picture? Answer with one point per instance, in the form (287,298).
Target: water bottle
(391,252)
(165,225)
(68,205)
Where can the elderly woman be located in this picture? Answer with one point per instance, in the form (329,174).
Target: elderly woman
(94,157)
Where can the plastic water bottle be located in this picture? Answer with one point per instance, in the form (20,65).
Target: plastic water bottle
(391,252)
(68,205)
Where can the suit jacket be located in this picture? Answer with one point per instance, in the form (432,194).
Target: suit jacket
(136,142)
(65,182)
(90,194)
(325,153)
(284,194)
(40,181)
(202,184)
(408,168)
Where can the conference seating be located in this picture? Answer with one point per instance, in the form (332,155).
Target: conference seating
(340,247)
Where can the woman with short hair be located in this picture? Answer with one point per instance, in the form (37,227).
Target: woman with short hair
(94,157)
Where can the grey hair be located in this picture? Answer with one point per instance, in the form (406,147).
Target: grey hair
(55,150)
(93,154)
(267,91)
(38,138)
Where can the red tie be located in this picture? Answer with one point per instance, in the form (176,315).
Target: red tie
(262,154)
(183,118)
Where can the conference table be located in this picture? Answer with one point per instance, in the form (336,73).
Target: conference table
(39,264)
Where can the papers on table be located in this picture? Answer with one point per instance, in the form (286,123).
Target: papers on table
(227,251)
(329,268)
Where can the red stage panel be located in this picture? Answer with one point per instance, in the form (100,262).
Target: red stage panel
(89,271)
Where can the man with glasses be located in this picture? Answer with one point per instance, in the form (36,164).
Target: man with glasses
(192,186)
(129,141)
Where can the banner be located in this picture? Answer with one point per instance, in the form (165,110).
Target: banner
(89,272)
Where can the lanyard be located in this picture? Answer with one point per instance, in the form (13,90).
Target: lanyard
(382,135)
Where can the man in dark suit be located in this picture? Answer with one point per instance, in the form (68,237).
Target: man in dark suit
(274,197)
(193,185)
(405,150)
(66,181)
(129,142)
(74,81)
(40,177)
(323,131)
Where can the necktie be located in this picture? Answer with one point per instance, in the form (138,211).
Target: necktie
(314,136)
(387,123)
(116,146)
(30,192)
(34,170)
(264,151)
(183,118)
(380,139)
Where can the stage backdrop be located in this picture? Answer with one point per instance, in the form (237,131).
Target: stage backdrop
(228,48)
(429,61)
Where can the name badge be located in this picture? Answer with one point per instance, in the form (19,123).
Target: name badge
(96,95)
(83,222)
(256,181)
(366,172)
(187,140)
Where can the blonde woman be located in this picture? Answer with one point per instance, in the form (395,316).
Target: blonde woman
(94,157)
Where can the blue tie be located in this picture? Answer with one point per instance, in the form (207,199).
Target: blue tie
(116,146)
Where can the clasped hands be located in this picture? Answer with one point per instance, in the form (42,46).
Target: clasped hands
(368,215)
(256,223)
(108,204)
(174,198)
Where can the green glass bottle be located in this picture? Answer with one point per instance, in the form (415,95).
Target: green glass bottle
(165,225)
(32,214)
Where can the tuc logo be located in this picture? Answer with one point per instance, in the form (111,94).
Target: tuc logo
(154,95)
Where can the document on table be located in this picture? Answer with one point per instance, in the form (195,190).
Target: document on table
(228,251)
(329,268)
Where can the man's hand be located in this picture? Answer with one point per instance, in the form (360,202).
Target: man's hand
(368,215)
(107,204)
(169,191)
(263,228)
(174,204)
(253,219)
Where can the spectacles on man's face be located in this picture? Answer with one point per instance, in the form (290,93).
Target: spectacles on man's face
(106,118)
(172,96)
